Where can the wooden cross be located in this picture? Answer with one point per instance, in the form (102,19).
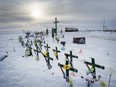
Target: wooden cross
(3,57)
(67,68)
(47,47)
(71,57)
(37,49)
(93,70)
(28,49)
(40,44)
(47,50)
(47,58)
(56,51)
(56,21)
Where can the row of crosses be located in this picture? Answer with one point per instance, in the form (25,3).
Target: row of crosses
(68,62)
(68,66)
(45,55)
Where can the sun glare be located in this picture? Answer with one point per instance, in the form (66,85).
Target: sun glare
(36,13)
(36,10)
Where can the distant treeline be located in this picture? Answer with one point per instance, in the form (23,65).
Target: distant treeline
(109,30)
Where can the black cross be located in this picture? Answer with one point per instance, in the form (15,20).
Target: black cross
(56,21)
(56,51)
(47,58)
(37,49)
(28,48)
(47,47)
(67,69)
(40,44)
(71,57)
(3,57)
(93,66)
(63,43)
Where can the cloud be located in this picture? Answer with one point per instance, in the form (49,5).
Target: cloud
(68,11)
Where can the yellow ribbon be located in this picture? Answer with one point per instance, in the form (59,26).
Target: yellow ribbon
(35,42)
(71,82)
(46,54)
(66,67)
(56,53)
(103,84)
(92,68)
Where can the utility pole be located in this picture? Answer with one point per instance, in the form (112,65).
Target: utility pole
(104,25)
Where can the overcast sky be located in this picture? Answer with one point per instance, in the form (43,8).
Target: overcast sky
(17,13)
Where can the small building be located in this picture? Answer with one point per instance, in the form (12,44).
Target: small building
(68,29)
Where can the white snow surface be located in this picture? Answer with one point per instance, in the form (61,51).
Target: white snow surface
(18,71)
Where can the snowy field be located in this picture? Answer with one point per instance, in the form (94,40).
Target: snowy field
(18,71)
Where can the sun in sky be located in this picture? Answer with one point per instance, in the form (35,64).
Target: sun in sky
(36,13)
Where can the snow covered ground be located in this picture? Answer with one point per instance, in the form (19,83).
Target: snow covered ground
(18,71)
